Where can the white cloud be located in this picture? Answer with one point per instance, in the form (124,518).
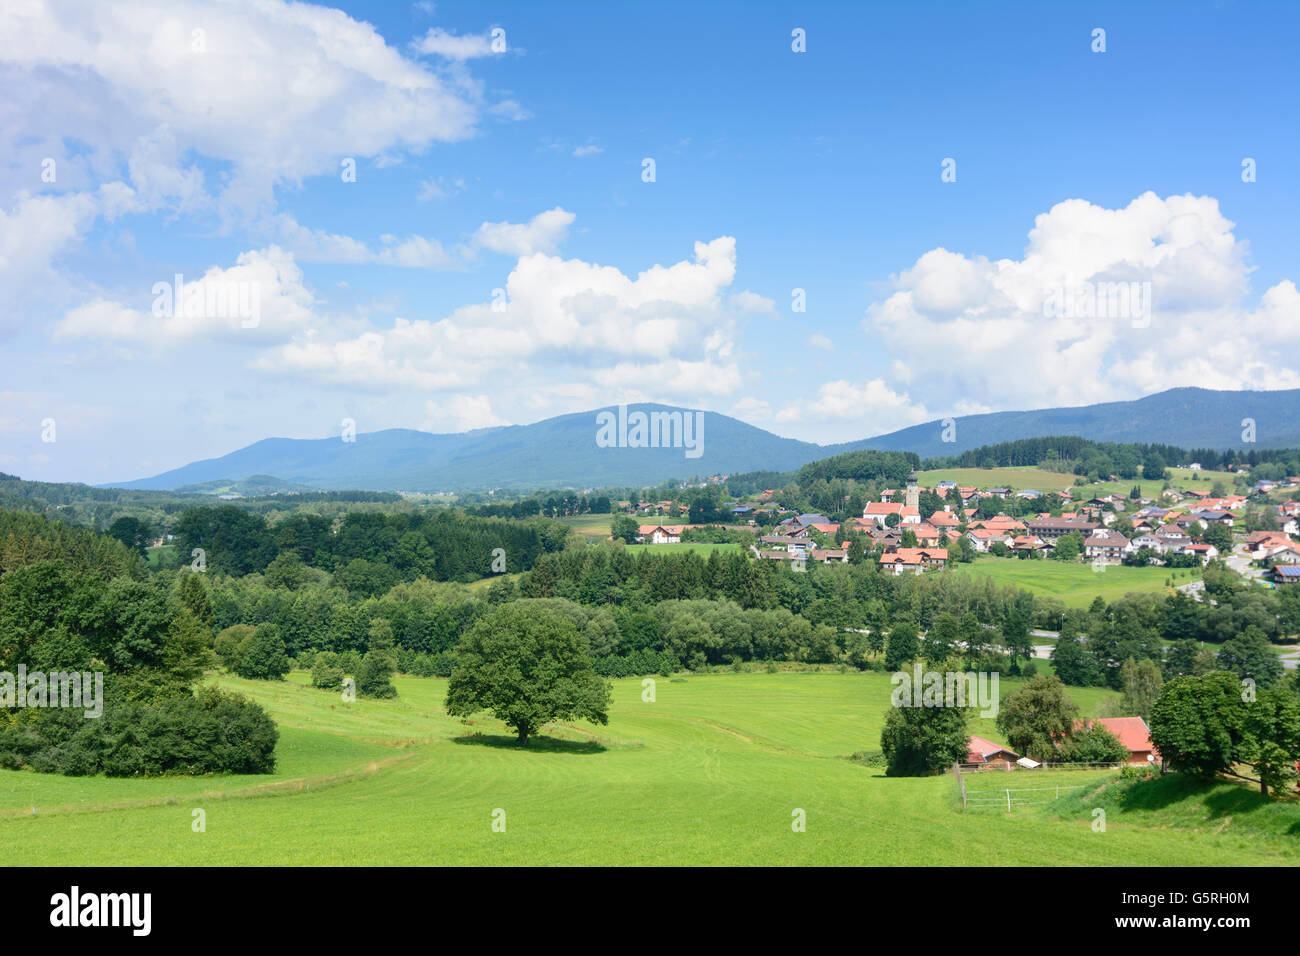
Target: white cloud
(873,403)
(543,233)
(663,332)
(258,301)
(819,341)
(440,42)
(582,151)
(753,304)
(171,90)
(954,320)
(37,232)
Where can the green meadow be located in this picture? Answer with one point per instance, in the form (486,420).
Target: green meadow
(596,527)
(713,771)
(1016,478)
(1075,584)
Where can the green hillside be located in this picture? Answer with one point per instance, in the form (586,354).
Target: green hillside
(710,772)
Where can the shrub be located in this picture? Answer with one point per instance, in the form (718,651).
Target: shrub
(326,673)
(262,655)
(205,732)
(228,642)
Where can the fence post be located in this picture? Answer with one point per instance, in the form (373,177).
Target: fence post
(1008,799)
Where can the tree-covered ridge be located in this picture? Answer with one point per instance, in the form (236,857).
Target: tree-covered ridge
(1083,456)
(887,466)
(371,552)
(29,538)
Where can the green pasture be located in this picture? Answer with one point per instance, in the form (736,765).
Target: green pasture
(1074,583)
(712,771)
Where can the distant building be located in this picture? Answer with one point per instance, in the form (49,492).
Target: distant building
(985,753)
(1134,734)
(1049,529)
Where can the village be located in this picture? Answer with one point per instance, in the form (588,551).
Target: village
(1179,528)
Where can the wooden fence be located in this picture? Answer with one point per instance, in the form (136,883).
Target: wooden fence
(1007,798)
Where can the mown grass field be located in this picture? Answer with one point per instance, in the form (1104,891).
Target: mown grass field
(1014,478)
(1075,584)
(595,527)
(709,773)
(1042,480)
(701,547)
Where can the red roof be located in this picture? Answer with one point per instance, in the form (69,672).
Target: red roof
(1131,731)
(980,750)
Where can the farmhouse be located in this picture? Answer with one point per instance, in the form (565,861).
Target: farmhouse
(1133,733)
(985,753)
(1262,545)
(1106,545)
(912,560)
(982,539)
(660,534)
(1029,542)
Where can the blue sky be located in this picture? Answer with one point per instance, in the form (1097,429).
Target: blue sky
(218,153)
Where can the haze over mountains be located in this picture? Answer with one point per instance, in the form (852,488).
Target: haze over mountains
(564,452)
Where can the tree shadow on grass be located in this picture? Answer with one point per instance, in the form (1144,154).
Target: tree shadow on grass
(1227,797)
(536,744)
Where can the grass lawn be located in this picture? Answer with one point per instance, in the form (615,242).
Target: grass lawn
(1014,478)
(1041,480)
(593,527)
(1075,584)
(703,547)
(709,773)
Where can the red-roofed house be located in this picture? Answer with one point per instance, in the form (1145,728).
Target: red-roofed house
(983,538)
(985,753)
(944,519)
(1134,734)
(878,511)
(912,560)
(661,534)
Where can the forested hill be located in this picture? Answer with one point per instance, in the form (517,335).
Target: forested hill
(1186,417)
(567,451)
(556,453)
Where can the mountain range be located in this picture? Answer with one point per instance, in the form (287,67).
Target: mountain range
(577,450)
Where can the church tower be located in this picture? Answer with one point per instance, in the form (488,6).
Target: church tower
(913,492)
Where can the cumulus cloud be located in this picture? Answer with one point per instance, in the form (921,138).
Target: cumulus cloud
(258,301)
(1075,333)
(873,403)
(663,332)
(182,76)
(543,233)
(37,231)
